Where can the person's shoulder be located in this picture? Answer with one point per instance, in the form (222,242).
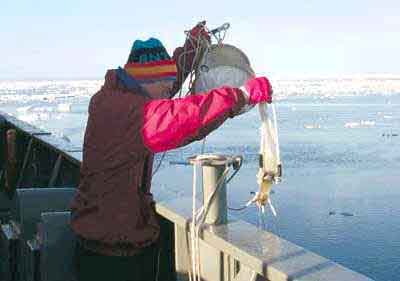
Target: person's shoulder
(106,87)
(110,79)
(110,83)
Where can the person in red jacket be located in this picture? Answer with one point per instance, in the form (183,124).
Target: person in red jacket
(131,118)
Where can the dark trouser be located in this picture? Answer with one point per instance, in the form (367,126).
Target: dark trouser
(96,267)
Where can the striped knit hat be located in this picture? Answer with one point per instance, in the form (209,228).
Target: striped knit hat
(149,62)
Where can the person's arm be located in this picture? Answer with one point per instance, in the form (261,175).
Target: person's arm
(169,124)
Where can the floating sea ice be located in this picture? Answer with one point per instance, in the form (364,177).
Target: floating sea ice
(24,108)
(64,107)
(29,118)
(44,116)
(368,123)
(352,125)
(312,126)
(34,117)
(387,116)
(362,123)
(50,98)
(43,109)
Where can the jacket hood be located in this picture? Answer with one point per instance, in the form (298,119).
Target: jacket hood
(119,78)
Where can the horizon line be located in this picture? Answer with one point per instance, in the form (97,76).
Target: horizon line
(367,75)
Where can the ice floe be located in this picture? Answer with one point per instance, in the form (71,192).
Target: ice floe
(312,126)
(360,124)
(64,107)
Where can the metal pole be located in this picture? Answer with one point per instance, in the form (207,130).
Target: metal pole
(217,213)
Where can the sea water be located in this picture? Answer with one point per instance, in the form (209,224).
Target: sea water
(340,148)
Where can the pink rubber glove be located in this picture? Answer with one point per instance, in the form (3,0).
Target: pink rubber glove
(258,90)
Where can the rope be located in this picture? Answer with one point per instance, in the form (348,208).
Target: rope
(159,164)
(278,151)
(237,209)
(182,57)
(193,226)
(201,45)
(199,216)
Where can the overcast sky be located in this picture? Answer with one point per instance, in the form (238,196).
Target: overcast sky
(81,39)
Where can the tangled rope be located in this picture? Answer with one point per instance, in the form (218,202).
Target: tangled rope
(201,46)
